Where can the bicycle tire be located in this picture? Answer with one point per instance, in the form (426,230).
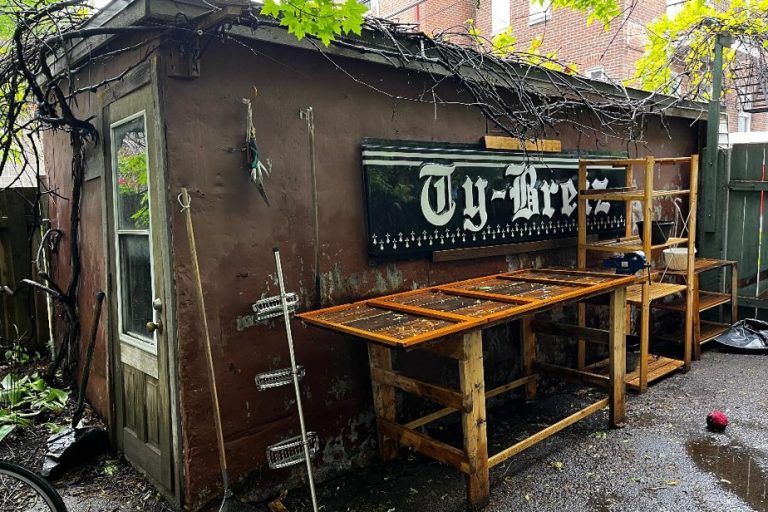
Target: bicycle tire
(38,484)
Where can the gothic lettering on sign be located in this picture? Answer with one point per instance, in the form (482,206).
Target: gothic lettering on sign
(423,197)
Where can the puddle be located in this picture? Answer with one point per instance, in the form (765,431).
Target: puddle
(735,468)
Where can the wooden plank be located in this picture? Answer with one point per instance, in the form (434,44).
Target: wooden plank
(485,295)
(707,300)
(748,185)
(432,392)
(471,253)
(692,295)
(415,310)
(734,293)
(512,144)
(696,317)
(472,384)
(569,331)
(617,351)
(663,366)
(547,432)
(572,374)
(449,347)
(139,359)
(383,400)
(441,413)
(615,163)
(645,334)
(424,444)
(528,353)
(544,280)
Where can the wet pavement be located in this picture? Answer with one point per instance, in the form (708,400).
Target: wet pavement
(663,460)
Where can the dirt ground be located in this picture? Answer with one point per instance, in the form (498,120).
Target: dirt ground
(663,460)
(105,483)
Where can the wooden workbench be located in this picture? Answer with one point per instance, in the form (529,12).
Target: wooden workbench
(448,320)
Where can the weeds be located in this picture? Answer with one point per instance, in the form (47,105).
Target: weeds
(24,398)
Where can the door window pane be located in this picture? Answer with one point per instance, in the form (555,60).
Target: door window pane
(135,284)
(130,154)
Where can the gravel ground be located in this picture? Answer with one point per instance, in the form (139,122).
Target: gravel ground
(663,460)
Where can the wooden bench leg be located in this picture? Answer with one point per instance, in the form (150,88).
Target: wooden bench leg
(645,338)
(472,383)
(581,344)
(528,353)
(383,398)
(617,348)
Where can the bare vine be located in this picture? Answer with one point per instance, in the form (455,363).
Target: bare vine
(39,92)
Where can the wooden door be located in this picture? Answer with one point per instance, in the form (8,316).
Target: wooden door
(138,291)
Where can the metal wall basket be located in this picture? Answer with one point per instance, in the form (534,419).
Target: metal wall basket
(291,451)
(277,378)
(272,307)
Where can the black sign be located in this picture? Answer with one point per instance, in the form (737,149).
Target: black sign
(425,197)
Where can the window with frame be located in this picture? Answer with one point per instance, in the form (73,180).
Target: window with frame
(539,11)
(130,170)
(674,7)
(597,73)
(745,118)
(500,16)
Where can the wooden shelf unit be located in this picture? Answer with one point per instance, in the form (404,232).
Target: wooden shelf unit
(644,293)
(658,367)
(704,330)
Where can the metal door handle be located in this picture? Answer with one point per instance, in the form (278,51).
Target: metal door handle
(155,326)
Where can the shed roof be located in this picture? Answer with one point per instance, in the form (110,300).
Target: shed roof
(373,45)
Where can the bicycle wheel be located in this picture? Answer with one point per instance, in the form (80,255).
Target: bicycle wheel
(22,490)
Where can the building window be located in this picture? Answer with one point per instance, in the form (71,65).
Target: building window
(500,13)
(540,10)
(745,118)
(674,7)
(597,73)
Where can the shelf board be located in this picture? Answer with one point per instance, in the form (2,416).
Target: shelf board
(634,194)
(629,244)
(703,265)
(658,367)
(658,290)
(710,330)
(707,300)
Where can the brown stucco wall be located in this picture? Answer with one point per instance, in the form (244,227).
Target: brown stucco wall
(58,157)
(236,231)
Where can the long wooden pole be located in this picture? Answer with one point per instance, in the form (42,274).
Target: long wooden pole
(185,202)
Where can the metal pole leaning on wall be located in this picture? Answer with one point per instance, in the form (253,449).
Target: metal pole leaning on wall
(289,451)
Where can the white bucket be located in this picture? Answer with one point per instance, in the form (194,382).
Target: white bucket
(676,258)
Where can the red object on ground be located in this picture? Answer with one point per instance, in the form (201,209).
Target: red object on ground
(717,420)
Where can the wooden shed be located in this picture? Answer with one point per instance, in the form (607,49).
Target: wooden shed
(176,119)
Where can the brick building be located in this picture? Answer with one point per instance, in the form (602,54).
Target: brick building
(598,53)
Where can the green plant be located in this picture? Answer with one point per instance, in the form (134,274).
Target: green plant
(687,40)
(110,468)
(26,397)
(16,354)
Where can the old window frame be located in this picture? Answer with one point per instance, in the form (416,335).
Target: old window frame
(147,343)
